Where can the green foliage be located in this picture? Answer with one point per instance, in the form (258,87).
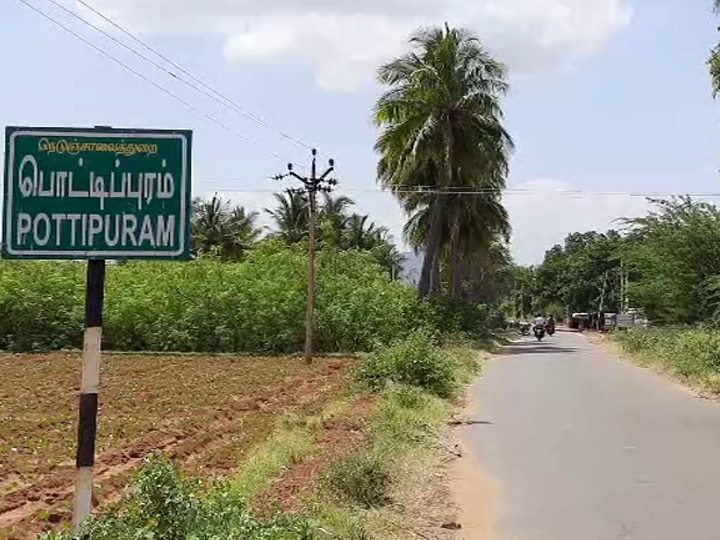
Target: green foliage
(41,305)
(206,305)
(457,318)
(413,361)
(336,228)
(162,504)
(441,127)
(675,256)
(714,60)
(670,259)
(222,230)
(579,274)
(691,353)
(362,478)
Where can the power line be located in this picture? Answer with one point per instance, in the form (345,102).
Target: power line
(205,89)
(149,81)
(510,191)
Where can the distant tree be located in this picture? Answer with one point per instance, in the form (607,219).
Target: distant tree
(222,229)
(674,256)
(291,216)
(332,219)
(581,275)
(337,229)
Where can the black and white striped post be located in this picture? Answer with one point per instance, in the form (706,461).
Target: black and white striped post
(87,424)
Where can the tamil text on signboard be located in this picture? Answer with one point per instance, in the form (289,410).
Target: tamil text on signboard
(96,193)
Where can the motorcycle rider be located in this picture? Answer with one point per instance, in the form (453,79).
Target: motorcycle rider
(551,324)
(539,321)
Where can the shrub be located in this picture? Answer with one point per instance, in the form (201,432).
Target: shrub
(456,318)
(361,478)
(689,352)
(414,361)
(207,305)
(163,504)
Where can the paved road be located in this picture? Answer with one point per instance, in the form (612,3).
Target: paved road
(585,447)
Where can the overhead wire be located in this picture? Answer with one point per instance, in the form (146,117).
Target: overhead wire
(478,192)
(205,88)
(219,97)
(151,82)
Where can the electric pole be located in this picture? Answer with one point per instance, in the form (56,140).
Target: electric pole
(311,186)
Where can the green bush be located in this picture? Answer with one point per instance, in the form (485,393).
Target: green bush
(414,361)
(456,318)
(361,478)
(689,352)
(207,305)
(41,305)
(164,505)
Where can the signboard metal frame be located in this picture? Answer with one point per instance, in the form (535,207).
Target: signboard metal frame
(10,185)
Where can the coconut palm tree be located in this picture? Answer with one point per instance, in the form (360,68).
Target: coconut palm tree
(221,229)
(714,60)
(243,232)
(362,234)
(332,217)
(471,225)
(441,129)
(291,217)
(334,208)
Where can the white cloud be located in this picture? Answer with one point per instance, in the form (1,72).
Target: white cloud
(345,40)
(544,212)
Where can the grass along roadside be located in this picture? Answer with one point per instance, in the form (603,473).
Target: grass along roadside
(364,467)
(691,356)
(392,487)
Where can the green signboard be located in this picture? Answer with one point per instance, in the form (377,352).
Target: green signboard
(96,193)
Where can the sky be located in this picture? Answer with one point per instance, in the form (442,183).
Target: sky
(609,100)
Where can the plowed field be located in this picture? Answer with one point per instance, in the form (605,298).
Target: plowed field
(207,412)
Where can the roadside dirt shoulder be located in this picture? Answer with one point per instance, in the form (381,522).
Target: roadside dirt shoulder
(473,490)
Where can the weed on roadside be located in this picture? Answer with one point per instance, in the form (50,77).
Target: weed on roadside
(165,505)
(361,478)
(413,361)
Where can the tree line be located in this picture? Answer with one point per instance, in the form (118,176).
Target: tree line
(665,264)
(228,231)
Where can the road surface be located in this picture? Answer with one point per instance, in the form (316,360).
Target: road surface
(585,447)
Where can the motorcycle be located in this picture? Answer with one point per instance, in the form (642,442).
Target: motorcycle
(539,332)
(524,329)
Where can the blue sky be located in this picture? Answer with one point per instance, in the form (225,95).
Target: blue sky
(608,95)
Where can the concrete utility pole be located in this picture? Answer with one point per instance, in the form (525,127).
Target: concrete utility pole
(311,186)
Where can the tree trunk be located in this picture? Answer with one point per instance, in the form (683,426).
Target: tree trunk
(436,278)
(455,272)
(432,248)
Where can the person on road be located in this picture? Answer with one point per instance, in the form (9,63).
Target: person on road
(551,324)
(539,321)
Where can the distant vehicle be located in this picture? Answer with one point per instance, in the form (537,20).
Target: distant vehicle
(551,326)
(579,321)
(539,332)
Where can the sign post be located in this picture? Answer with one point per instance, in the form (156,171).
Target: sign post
(87,421)
(95,194)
